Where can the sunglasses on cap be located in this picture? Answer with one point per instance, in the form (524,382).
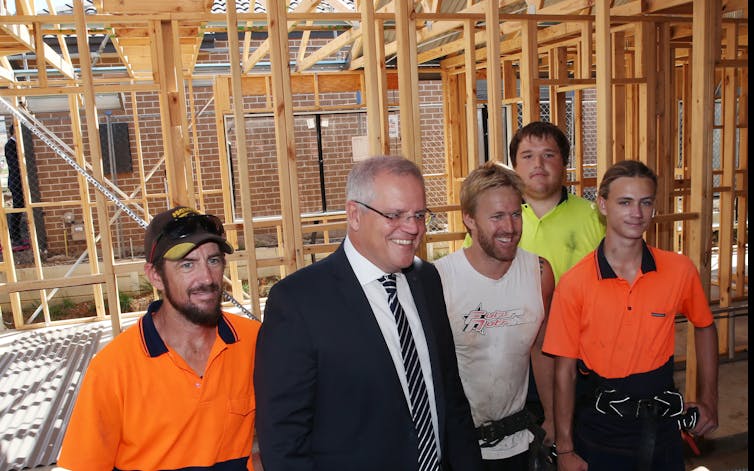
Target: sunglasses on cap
(185,226)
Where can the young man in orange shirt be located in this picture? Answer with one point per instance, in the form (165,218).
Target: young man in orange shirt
(612,330)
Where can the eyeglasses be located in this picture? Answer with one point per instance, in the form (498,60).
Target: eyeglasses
(423,216)
(185,226)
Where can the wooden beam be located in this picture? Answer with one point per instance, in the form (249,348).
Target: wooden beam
(646,66)
(372,72)
(705,50)
(604,86)
(249,254)
(382,85)
(20,34)
(729,103)
(408,79)
(264,48)
(559,72)
(742,188)
(40,52)
(172,100)
(494,84)
(470,77)
(284,141)
(619,96)
(529,71)
(92,127)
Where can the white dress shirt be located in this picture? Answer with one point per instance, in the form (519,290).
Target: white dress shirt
(368,275)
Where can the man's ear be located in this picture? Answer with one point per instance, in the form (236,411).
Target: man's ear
(150,271)
(470,223)
(353,215)
(602,205)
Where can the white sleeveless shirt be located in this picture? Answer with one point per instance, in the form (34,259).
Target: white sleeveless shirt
(494,323)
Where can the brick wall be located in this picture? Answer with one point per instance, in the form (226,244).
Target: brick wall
(60,189)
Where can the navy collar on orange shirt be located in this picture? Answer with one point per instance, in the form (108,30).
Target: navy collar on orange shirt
(606,271)
(156,346)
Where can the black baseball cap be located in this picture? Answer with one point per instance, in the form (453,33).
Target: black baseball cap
(174,233)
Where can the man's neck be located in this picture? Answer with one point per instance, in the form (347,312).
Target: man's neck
(542,205)
(624,256)
(484,264)
(191,341)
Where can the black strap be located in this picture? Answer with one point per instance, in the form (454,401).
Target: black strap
(495,430)
(646,448)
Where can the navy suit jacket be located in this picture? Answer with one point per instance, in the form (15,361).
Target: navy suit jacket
(327,393)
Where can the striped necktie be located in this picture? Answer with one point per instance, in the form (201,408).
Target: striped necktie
(417,390)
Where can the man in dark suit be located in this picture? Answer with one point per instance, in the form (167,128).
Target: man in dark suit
(330,374)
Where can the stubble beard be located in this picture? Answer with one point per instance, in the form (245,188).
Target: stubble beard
(487,244)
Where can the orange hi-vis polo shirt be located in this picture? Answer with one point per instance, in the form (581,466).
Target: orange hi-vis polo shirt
(616,328)
(141,407)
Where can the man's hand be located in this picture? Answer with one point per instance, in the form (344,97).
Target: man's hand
(707,418)
(549,427)
(571,462)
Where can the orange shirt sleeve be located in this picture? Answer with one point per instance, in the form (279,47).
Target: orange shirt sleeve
(94,430)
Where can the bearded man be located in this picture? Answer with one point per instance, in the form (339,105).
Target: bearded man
(498,296)
(175,391)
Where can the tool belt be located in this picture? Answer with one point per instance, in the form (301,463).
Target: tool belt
(490,433)
(668,404)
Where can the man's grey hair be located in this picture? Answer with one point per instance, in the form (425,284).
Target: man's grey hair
(360,184)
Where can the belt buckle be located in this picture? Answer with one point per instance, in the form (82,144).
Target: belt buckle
(486,432)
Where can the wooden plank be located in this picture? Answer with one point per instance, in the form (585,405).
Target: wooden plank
(92,126)
(558,71)
(39,50)
(604,87)
(372,72)
(383,84)
(67,282)
(408,79)
(586,46)
(264,48)
(666,135)
(706,43)
(646,66)
(472,144)
(619,96)
(742,188)
(328,50)
(494,83)
(729,102)
(85,202)
(529,71)
(243,163)
(152,6)
(292,245)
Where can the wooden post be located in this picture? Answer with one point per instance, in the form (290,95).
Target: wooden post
(604,87)
(408,82)
(529,72)
(372,72)
(92,127)
(250,254)
(173,113)
(619,96)
(284,141)
(472,144)
(494,83)
(705,51)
